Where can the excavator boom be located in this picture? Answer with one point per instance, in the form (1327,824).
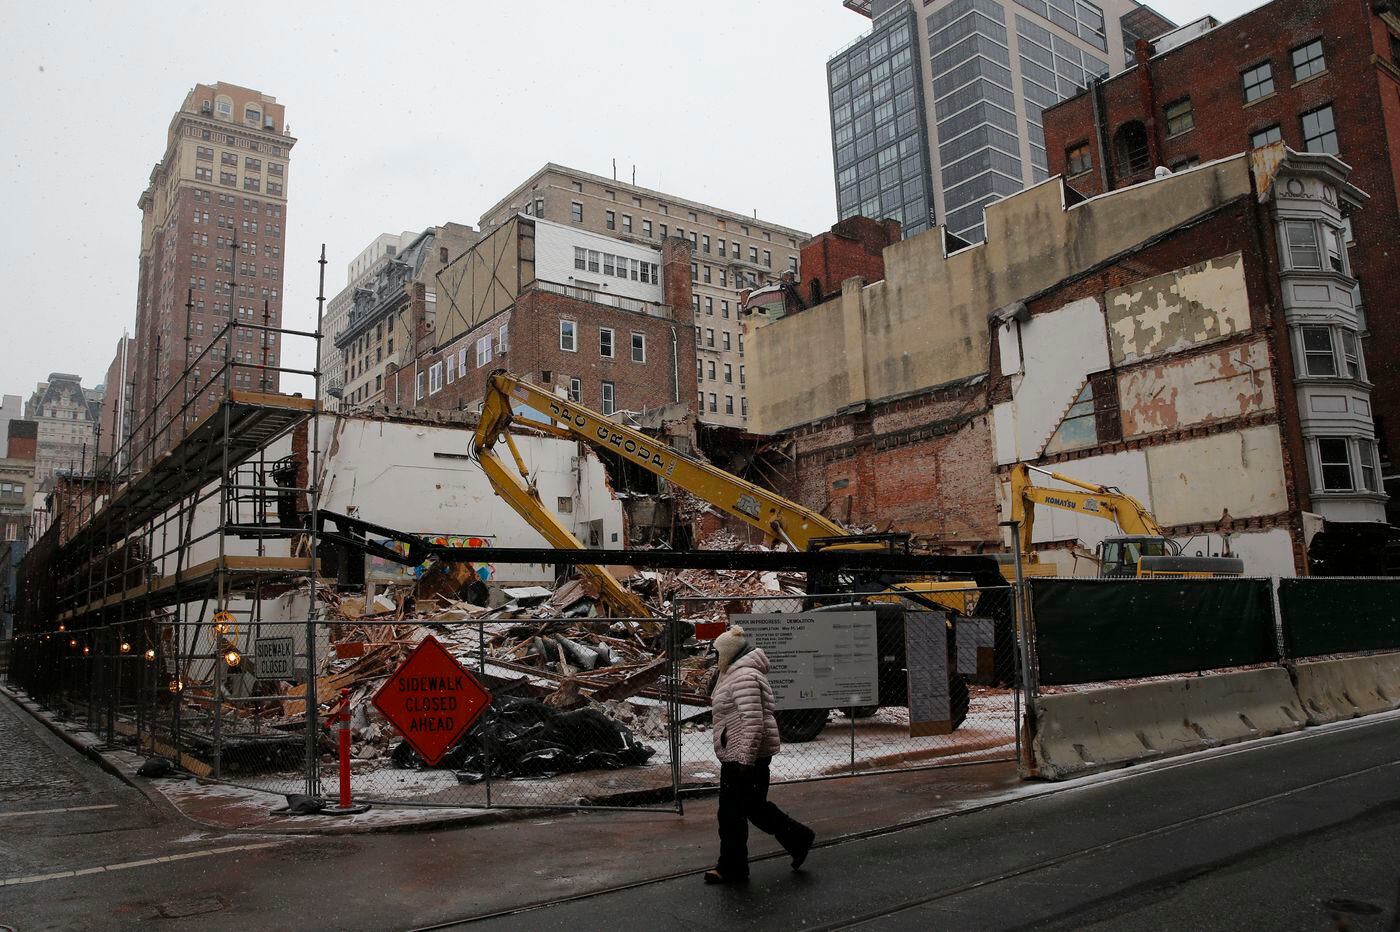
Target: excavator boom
(778,519)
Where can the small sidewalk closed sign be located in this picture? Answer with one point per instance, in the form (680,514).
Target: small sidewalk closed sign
(275,658)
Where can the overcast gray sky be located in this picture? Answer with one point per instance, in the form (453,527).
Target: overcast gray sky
(407,114)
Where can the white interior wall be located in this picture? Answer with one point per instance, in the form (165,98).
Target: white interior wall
(1057,350)
(389,473)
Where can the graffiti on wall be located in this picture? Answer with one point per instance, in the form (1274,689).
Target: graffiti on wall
(379,570)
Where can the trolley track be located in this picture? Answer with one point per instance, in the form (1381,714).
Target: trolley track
(971,886)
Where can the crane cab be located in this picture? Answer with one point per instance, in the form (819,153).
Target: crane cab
(1145,556)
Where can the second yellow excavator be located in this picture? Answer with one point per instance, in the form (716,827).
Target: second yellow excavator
(1142,550)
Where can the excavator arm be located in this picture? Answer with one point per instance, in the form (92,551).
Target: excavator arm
(780,520)
(1097,501)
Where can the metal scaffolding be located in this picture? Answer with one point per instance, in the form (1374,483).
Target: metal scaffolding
(141,601)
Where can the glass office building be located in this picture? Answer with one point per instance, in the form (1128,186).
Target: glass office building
(936,112)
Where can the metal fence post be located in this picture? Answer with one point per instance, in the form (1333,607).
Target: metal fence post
(1024,645)
(486,738)
(673,706)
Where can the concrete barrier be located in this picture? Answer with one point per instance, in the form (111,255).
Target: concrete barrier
(1098,729)
(1332,690)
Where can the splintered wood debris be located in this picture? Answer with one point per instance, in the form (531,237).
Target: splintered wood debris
(557,645)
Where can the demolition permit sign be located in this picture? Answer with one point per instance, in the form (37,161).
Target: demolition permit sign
(818,660)
(432,700)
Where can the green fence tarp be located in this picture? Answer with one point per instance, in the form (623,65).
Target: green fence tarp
(1093,630)
(1324,615)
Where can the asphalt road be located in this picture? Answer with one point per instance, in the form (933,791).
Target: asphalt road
(1295,834)
(1302,834)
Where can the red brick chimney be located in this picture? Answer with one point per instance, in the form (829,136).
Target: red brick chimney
(675,276)
(23,441)
(418,315)
(853,248)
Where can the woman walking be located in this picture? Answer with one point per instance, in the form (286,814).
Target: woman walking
(746,738)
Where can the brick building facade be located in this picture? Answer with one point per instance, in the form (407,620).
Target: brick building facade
(213,234)
(608,352)
(1318,75)
(1149,340)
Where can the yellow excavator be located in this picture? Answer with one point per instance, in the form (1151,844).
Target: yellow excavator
(780,520)
(1142,550)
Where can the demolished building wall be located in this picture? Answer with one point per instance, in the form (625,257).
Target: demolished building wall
(925,324)
(414,475)
(1157,374)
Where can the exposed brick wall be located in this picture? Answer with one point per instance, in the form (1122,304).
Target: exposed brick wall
(920,464)
(1361,83)
(853,248)
(23,440)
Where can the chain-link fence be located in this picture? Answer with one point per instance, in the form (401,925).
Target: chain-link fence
(892,680)
(584,711)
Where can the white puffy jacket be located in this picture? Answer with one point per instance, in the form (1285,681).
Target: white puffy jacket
(745,728)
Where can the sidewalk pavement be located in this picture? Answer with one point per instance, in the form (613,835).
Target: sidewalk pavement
(838,807)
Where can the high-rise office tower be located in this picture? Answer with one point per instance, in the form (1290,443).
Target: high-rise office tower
(213,217)
(937,110)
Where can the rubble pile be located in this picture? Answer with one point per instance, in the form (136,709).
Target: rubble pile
(549,648)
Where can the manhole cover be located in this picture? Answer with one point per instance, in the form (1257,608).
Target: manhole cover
(181,909)
(1354,907)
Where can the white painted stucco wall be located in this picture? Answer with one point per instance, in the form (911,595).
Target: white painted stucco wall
(1053,354)
(390,473)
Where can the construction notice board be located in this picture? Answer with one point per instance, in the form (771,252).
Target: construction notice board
(820,660)
(274,658)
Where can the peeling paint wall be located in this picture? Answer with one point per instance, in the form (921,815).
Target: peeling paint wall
(1192,482)
(1214,386)
(926,323)
(1178,310)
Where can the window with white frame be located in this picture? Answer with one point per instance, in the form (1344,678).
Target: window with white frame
(593,257)
(609,398)
(451,368)
(605,342)
(580,257)
(568,336)
(503,338)
(418,387)
(1334,460)
(1318,353)
(1366,458)
(1302,244)
(462,359)
(1336,251)
(435,378)
(575,390)
(714,404)
(483,350)
(1351,355)
(639,347)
